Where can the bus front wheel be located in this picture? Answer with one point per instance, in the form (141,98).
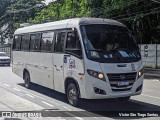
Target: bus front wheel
(27,81)
(72,94)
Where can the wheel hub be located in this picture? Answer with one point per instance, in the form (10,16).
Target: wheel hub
(72,94)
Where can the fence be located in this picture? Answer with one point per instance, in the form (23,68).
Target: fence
(150,55)
(6,49)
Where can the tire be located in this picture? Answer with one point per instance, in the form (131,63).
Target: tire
(72,94)
(123,99)
(27,81)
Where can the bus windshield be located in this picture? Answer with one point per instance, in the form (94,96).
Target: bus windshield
(109,42)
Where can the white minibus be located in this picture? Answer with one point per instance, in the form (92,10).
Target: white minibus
(90,58)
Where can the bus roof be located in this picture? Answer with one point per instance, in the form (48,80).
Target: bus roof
(68,23)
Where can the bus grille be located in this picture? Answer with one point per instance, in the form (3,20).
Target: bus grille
(125,77)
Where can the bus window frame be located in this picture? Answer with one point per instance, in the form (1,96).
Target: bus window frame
(67,52)
(55,37)
(29,42)
(15,49)
(65,30)
(40,37)
(52,50)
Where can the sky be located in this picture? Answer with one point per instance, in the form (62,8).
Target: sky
(48,1)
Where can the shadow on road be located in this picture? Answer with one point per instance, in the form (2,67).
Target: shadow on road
(100,107)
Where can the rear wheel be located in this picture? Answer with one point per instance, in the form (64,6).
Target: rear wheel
(72,94)
(27,81)
(124,98)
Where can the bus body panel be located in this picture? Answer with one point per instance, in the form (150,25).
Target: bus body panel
(40,70)
(17,66)
(74,68)
(58,72)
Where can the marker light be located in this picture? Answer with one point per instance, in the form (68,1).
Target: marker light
(96,74)
(140,73)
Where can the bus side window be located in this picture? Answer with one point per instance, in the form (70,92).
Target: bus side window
(59,43)
(73,44)
(25,42)
(14,42)
(35,42)
(17,43)
(47,41)
(71,41)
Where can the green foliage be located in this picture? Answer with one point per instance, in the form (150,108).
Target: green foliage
(62,9)
(141,16)
(3,5)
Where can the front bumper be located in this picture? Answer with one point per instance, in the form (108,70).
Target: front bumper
(105,86)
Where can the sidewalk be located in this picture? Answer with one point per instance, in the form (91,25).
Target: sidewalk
(12,102)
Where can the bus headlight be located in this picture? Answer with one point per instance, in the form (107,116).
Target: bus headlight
(140,73)
(96,74)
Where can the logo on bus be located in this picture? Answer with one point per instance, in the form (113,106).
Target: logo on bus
(123,77)
(133,67)
(72,64)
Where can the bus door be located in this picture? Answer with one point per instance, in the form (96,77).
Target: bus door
(58,57)
(73,62)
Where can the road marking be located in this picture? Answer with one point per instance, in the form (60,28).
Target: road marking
(30,95)
(74,116)
(47,104)
(16,89)
(151,96)
(86,114)
(149,90)
(6,85)
(155,80)
(41,97)
(67,108)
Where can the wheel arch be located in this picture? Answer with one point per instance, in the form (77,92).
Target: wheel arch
(71,80)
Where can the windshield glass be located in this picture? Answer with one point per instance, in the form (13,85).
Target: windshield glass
(3,54)
(109,42)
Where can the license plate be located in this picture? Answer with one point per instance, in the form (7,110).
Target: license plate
(123,83)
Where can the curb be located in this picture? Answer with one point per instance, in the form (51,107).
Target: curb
(151,74)
(151,69)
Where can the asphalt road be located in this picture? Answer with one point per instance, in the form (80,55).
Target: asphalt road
(16,97)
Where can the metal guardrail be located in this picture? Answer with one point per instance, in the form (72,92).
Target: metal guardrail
(6,49)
